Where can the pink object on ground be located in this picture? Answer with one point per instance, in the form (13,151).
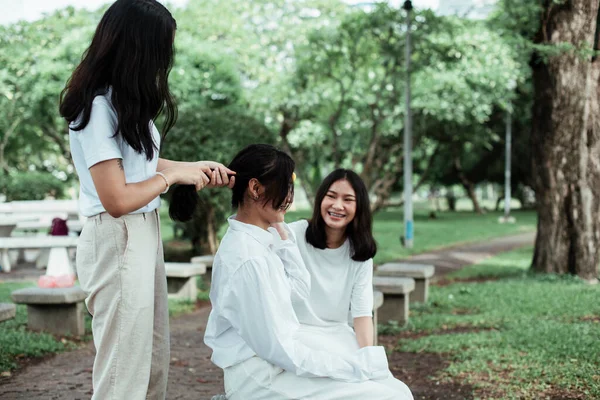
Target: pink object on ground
(46,281)
(61,281)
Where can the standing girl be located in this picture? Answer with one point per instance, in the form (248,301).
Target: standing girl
(111,100)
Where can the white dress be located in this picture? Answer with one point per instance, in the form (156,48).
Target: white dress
(257,339)
(341,290)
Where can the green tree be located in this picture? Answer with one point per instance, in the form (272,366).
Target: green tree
(565,139)
(350,81)
(36,59)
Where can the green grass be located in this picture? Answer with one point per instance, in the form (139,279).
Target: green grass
(511,264)
(516,337)
(16,341)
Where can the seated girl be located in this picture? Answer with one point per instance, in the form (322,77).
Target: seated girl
(257,273)
(338,247)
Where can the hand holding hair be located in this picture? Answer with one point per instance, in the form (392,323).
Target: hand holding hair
(184,199)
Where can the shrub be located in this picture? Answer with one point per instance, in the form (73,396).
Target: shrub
(31,186)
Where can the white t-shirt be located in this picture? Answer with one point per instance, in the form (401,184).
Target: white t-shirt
(95,143)
(256,276)
(339,285)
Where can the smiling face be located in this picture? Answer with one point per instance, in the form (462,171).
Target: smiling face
(338,207)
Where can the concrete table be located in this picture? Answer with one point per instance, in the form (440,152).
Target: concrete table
(32,242)
(207,260)
(55,310)
(396,293)
(421,273)
(181,279)
(7,311)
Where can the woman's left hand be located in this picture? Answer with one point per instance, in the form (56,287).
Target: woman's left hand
(220,175)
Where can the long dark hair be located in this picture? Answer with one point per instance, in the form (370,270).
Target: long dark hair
(359,232)
(272,167)
(132,53)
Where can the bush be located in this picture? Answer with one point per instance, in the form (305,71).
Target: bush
(31,186)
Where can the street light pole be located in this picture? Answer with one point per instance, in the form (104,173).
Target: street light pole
(507,194)
(506,218)
(408,188)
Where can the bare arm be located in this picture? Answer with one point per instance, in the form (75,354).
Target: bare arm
(218,174)
(120,198)
(363,327)
(163,163)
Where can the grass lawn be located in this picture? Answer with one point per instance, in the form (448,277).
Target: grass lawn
(516,336)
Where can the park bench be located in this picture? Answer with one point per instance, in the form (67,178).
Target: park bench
(57,310)
(377,303)
(396,293)
(48,208)
(421,273)
(7,311)
(181,279)
(207,261)
(57,244)
(45,225)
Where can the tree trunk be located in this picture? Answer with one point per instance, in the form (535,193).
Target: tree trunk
(451,200)
(468,185)
(565,144)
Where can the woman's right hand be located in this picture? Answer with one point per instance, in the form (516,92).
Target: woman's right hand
(187,174)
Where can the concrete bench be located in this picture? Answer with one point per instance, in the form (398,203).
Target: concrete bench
(55,208)
(181,279)
(57,245)
(396,293)
(7,311)
(421,273)
(45,225)
(207,260)
(59,311)
(377,303)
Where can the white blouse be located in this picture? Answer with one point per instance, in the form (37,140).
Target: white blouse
(340,289)
(256,275)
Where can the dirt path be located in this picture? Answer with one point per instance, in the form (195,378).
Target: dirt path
(193,377)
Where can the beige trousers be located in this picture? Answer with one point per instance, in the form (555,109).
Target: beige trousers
(120,267)
(255,378)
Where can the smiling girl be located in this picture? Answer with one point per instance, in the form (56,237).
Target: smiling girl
(337,247)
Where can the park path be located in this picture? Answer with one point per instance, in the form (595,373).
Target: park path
(192,376)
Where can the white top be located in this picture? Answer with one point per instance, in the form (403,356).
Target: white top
(255,277)
(95,143)
(339,285)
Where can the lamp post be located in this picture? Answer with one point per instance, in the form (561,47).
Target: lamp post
(507,194)
(507,164)
(408,188)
